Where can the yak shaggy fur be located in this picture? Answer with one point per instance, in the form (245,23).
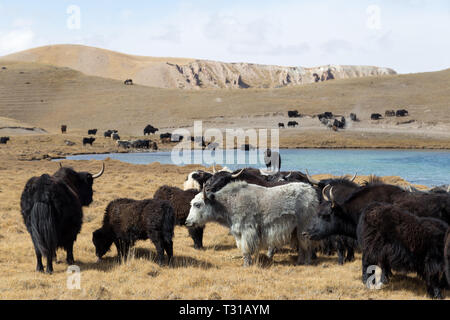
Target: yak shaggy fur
(447,256)
(181,204)
(260,217)
(127,220)
(393,238)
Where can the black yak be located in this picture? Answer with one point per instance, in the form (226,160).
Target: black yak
(51,208)
(181,203)
(149,129)
(92,132)
(394,239)
(127,220)
(376,116)
(63,128)
(4,140)
(89,141)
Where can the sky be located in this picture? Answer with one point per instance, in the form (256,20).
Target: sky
(406,35)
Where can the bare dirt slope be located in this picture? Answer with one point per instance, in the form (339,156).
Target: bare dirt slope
(185,73)
(47,96)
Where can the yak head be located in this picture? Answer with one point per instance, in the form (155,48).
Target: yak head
(102,242)
(201,212)
(331,219)
(218,181)
(196,180)
(79,182)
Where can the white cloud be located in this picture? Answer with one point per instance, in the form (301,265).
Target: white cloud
(15,40)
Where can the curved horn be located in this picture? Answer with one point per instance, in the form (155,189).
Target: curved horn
(214,168)
(324,193)
(60,165)
(98,175)
(331,195)
(354,177)
(310,179)
(290,173)
(234,176)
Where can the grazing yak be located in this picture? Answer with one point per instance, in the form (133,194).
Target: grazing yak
(393,238)
(128,82)
(181,204)
(293,114)
(92,132)
(402,113)
(88,141)
(272,160)
(260,217)
(4,140)
(292,124)
(127,220)
(115,136)
(353,117)
(281,125)
(375,116)
(51,208)
(63,128)
(149,129)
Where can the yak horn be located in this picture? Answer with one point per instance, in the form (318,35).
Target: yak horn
(324,192)
(234,176)
(98,175)
(310,179)
(331,195)
(214,168)
(354,177)
(60,165)
(290,173)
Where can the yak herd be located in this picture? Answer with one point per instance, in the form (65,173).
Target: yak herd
(395,228)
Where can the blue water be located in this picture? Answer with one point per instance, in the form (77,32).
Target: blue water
(419,167)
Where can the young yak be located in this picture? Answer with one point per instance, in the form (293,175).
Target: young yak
(127,221)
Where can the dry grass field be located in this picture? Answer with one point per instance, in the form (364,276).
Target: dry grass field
(213,273)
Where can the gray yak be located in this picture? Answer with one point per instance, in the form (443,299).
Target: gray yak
(260,217)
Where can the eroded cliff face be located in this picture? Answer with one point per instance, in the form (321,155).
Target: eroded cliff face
(210,74)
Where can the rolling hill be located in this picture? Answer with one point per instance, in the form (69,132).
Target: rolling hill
(185,73)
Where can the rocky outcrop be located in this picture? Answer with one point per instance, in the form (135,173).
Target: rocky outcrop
(210,74)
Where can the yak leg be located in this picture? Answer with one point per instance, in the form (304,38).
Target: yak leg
(247,259)
(168,247)
(49,269)
(69,250)
(197,235)
(122,249)
(304,251)
(271,251)
(433,287)
(350,253)
(340,249)
(39,265)
(158,240)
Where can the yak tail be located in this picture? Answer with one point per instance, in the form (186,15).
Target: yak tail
(168,222)
(43,229)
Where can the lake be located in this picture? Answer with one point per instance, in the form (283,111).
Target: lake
(428,168)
